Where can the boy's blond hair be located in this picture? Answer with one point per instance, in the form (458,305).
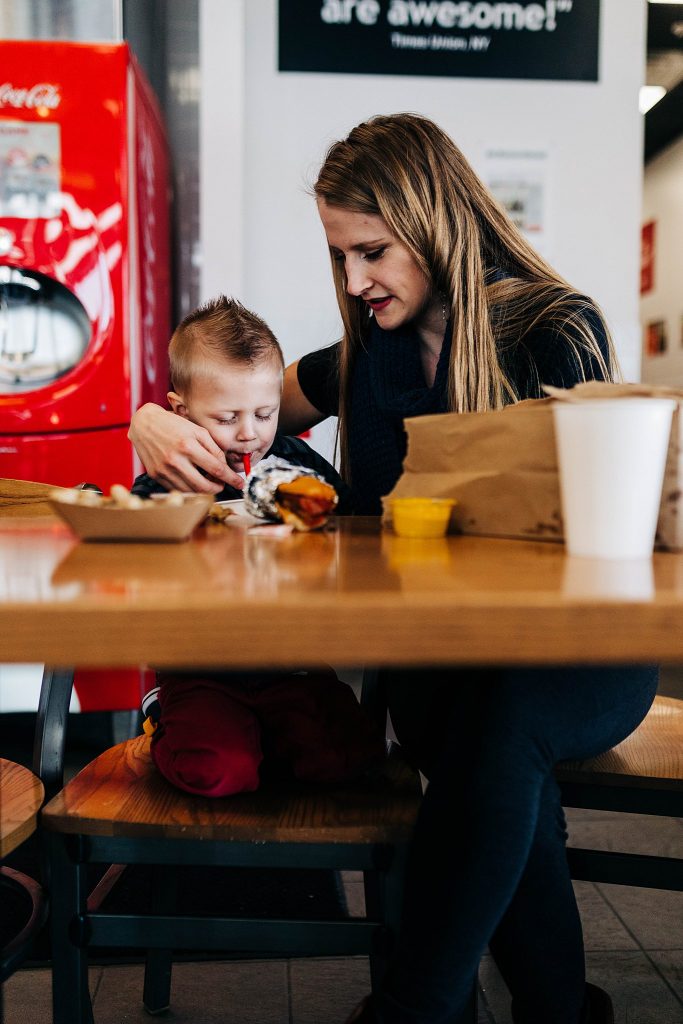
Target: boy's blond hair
(221,330)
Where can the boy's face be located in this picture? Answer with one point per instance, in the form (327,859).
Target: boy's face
(238,404)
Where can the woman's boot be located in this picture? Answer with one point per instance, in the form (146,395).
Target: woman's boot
(597,1008)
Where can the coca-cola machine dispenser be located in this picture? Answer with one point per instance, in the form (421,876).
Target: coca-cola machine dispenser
(84,266)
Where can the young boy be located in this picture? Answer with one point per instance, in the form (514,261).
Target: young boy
(214,729)
(226,370)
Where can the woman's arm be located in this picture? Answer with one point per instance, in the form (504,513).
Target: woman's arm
(173,450)
(296,412)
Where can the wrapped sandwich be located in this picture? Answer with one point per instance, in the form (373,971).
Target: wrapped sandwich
(284,493)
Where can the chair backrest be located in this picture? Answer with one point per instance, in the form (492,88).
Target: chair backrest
(21,796)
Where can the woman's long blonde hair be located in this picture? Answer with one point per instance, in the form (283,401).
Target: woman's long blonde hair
(405,169)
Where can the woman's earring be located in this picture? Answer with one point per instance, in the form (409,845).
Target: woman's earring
(444,308)
(370,313)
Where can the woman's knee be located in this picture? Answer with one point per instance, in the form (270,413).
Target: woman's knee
(551,824)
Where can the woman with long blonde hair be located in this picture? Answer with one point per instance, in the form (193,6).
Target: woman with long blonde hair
(513,323)
(445,307)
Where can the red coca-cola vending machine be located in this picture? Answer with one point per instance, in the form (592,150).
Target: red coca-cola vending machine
(84,270)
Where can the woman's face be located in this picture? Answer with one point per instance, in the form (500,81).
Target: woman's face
(380,269)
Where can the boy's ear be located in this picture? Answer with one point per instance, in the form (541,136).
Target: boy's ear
(177,404)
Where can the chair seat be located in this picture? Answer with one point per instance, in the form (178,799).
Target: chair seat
(121,793)
(21,794)
(650,756)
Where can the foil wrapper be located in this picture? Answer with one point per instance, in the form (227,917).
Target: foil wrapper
(264,480)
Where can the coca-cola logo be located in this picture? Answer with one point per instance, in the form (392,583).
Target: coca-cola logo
(42,94)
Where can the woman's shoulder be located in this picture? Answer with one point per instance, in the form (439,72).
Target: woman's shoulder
(321,358)
(318,376)
(572,318)
(563,343)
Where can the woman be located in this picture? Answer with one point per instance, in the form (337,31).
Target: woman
(446,307)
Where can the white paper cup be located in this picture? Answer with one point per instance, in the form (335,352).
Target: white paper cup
(611,456)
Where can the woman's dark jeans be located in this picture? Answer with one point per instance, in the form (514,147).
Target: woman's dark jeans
(488,865)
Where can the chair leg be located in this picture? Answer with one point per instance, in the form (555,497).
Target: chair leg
(70,992)
(19,946)
(156,995)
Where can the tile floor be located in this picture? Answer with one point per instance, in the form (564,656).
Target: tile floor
(634,948)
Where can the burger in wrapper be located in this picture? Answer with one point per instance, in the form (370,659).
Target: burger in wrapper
(279,491)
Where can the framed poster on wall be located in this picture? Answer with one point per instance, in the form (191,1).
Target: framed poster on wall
(647,257)
(518,178)
(655,338)
(552,39)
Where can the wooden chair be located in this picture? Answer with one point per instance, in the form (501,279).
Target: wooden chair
(120,810)
(21,795)
(642,775)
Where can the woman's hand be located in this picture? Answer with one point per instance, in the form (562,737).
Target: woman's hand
(173,450)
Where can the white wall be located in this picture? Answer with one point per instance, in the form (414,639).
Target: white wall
(260,233)
(663,203)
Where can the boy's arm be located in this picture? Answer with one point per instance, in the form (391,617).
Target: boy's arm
(145,486)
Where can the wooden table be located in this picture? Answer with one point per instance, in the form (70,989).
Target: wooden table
(355,596)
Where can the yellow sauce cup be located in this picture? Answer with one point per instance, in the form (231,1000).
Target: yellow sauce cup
(421,517)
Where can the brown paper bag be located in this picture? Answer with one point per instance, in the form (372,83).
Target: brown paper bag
(501,467)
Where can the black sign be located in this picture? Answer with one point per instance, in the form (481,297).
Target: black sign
(551,39)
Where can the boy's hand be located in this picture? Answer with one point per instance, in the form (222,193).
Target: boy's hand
(179,454)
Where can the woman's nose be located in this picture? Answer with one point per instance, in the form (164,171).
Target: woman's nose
(357,277)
